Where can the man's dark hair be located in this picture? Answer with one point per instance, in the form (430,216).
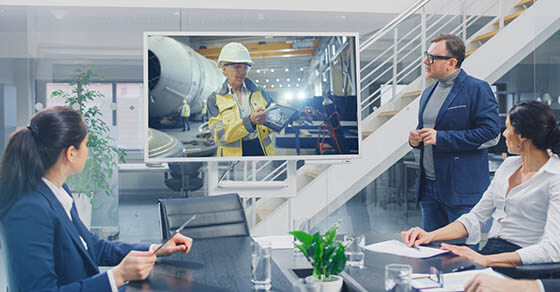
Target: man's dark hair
(455,47)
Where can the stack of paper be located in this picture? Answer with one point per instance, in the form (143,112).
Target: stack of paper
(451,281)
(399,248)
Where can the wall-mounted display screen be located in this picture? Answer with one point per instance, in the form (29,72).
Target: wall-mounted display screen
(236,96)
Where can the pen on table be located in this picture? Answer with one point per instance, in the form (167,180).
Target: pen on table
(463,268)
(176,231)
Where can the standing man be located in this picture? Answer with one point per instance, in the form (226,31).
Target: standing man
(457,121)
(237,112)
(185,114)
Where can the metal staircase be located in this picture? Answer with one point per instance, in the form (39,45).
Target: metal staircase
(498,34)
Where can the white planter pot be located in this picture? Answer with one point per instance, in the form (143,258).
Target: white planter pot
(84,207)
(330,286)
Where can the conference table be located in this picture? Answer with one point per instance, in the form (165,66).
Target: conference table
(223,264)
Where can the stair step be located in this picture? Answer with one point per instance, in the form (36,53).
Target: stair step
(412,93)
(386,114)
(510,17)
(524,3)
(469,52)
(312,173)
(261,213)
(486,36)
(365,134)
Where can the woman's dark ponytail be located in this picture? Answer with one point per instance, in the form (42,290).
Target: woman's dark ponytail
(32,151)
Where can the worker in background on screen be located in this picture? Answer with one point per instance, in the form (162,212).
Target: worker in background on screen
(185,114)
(238,110)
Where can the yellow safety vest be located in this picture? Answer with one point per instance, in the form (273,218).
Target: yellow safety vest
(186,112)
(228,129)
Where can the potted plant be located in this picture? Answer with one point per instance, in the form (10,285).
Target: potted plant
(326,255)
(103,157)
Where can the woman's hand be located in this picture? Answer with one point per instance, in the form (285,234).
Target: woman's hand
(467,253)
(178,243)
(136,265)
(416,236)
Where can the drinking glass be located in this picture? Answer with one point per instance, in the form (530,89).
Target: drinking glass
(354,250)
(260,265)
(398,278)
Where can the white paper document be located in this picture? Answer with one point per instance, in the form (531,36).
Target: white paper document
(452,282)
(278,241)
(397,247)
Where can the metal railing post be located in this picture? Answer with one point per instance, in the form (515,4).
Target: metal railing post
(464,21)
(253,198)
(395,60)
(501,14)
(423,45)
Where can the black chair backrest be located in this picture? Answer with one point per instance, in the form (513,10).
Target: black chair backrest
(216,216)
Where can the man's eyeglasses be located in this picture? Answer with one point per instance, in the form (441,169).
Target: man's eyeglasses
(431,58)
(239,66)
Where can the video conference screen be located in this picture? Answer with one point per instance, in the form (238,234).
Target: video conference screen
(236,96)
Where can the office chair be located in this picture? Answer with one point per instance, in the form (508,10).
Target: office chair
(5,263)
(184,177)
(216,216)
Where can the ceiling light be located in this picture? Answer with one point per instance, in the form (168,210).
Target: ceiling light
(272,86)
(288,79)
(297,85)
(301,69)
(272,70)
(258,70)
(286,70)
(280,85)
(267,80)
(289,85)
(257,80)
(277,79)
(299,79)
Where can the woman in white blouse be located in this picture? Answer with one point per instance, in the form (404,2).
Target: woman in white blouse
(523,198)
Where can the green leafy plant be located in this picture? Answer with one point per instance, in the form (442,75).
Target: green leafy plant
(101,160)
(324,252)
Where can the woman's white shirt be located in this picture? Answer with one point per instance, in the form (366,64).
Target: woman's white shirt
(528,216)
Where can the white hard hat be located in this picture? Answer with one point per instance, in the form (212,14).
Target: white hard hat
(234,53)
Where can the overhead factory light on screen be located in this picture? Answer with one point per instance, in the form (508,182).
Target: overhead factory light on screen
(288,96)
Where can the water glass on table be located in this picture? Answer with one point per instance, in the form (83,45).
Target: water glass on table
(260,265)
(398,278)
(354,250)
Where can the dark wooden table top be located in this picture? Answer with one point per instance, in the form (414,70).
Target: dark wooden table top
(372,276)
(220,264)
(223,264)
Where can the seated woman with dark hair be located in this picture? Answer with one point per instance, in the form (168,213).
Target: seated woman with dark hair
(523,198)
(49,247)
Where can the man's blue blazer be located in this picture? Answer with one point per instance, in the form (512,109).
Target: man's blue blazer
(467,124)
(45,250)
